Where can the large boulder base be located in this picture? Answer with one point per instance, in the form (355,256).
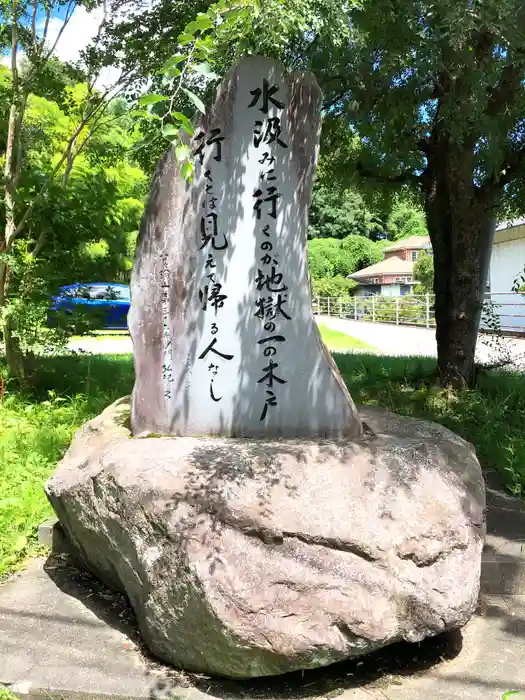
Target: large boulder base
(247,558)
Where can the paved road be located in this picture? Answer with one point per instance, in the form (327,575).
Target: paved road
(394,340)
(385,338)
(103,345)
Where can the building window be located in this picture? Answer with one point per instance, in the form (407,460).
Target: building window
(414,255)
(372,290)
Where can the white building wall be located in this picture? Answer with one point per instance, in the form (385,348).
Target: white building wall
(507,262)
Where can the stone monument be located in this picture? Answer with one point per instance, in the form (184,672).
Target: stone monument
(224,337)
(252,522)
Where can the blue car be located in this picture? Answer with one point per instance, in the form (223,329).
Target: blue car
(109,302)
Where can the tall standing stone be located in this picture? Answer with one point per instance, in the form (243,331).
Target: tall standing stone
(225,342)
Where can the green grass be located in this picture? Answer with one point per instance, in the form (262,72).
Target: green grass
(102,335)
(35,429)
(36,426)
(491,415)
(6,694)
(335,340)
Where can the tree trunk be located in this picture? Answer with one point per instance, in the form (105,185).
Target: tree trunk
(461,227)
(70,159)
(13,353)
(9,201)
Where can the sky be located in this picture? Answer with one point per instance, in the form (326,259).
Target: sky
(80,30)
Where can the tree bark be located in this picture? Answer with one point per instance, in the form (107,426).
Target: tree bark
(70,159)
(461,226)
(13,354)
(9,200)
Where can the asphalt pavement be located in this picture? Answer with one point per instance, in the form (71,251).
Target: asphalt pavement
(391,340)
(385,339)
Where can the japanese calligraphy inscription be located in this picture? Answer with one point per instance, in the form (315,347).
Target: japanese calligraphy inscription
(225,342)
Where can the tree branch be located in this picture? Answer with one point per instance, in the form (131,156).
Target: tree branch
(21,225)
(46,26)
(42,58)
(500,94)
(33,24)
(40,243)
(510,169)
(101,106)
(403,178)
(11,142)
(94,129)
(19,145)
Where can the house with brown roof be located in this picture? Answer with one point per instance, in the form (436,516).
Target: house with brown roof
(393,276)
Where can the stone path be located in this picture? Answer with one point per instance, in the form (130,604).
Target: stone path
(63,635)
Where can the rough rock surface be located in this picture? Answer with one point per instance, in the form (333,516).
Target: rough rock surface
(248,558)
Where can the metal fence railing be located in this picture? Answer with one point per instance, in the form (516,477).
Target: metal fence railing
(501,311)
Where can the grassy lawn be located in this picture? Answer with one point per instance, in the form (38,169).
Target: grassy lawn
(335,340)
(102,335)
(491,415)
(36,426)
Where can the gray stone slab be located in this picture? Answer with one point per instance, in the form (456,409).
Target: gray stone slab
(490,663)
(496,544)
(45,532)
(504,576)
(56,636)
(224,337)
(63,635)
(503,569)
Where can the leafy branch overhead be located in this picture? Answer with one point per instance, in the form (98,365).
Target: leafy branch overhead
(190,71)
(212,42)
(424,96)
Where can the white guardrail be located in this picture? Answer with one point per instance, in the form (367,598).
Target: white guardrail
(506,309)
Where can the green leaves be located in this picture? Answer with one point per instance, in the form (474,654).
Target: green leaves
(201,23)
(144,114)
(205,69)
(195,99)
(169,130)
(20,543)
(151,99)
(184,122)
(184,39)
(4,502)
(182,152)
(171,63)
(187,170)
(172,130)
